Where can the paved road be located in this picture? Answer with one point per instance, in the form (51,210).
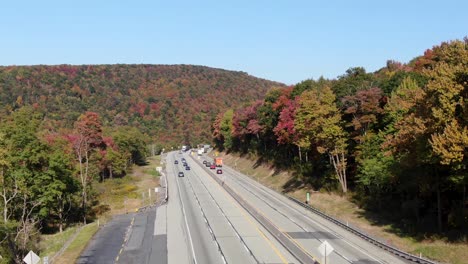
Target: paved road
(129,239)
(106,243)
(144,244)
(304,228)
(202,223)
(139,238)
(214,227)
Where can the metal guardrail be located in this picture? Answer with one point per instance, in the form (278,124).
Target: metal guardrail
(166,187)
(65,245)
(166,195)
(369,239)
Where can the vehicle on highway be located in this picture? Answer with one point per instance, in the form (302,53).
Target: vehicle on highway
(219,171)
(213,166)
(187,168)
(205,148)
(181,174)
(218,161)
(182,159)
(208,164)
(176,162)
(204,162)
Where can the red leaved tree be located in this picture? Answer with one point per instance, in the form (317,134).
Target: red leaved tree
(87,137)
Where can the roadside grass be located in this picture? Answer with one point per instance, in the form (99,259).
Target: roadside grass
(53,243)
(152,172)
(127,194)
(116,196)
(78,244)
(342,208)
(147,178)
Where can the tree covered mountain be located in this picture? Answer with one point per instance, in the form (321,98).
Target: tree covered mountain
(174,104)
(64,128)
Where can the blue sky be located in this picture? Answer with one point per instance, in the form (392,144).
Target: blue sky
(286,41)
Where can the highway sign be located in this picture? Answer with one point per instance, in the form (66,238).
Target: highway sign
(31,258)
(325,248)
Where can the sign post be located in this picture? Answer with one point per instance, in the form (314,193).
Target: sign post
(149,196)
(325,249)
(308,198)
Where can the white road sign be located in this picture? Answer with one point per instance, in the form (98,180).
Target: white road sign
(325,248)
(31,258)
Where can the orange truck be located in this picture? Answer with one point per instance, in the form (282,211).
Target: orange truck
(218,162)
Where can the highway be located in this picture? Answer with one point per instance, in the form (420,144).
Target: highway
(305,229)
(225,218)
(214,227)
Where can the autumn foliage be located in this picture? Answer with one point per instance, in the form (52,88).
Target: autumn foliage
(397,137)
(173,103)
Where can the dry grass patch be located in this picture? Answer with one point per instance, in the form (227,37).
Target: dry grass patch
(148,179)
(131,192)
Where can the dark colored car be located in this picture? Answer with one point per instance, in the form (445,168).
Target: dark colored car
(208,164)
(187,168)
(183,159)
(219,171)
(204,162)
(181,174)
(212,167)
(176,162)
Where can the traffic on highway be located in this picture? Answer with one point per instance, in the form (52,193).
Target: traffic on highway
(229,218)
(212,213)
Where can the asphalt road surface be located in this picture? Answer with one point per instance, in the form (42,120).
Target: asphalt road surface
(203,223)
(206,225)
(105,245)
(303,228)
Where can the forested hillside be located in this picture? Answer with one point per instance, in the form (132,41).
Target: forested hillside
(397,139)
(65,128)
(173,103)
